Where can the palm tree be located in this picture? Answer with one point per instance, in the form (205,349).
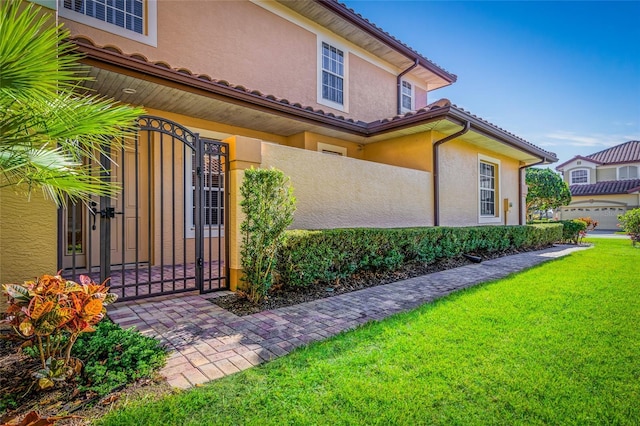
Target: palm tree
(48,129)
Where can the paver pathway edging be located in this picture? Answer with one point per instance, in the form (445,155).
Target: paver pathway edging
(208,342)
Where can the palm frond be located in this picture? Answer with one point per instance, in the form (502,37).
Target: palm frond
(34,56)
(49,129)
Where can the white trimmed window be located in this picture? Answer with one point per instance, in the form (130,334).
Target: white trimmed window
(213,182)
(488,189)
(406,96)
(579,177)
(133,19)
(627,172)
(332,85)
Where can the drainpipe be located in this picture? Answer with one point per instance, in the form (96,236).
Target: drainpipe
(399,84)
(520,187)
(436,184)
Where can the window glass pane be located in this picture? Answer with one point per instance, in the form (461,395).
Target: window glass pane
(75,228)
(119,18)
(123,13)
(579,176)
(332,72)
(100,12)
(406,102)
(487,189)
(628,172)
(137,9)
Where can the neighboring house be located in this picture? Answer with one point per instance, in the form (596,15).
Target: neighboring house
(309,87)
(603,185)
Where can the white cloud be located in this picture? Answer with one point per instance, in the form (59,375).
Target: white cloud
(591,140)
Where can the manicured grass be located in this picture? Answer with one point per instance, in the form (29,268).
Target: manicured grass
(558,344)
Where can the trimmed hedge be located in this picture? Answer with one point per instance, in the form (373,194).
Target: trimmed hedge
(572,229)
(309,257)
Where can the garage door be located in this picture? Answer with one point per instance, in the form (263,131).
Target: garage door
(607,217)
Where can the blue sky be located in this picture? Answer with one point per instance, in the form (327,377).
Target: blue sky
(563,75)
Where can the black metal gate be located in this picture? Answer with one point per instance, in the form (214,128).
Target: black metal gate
(165,232)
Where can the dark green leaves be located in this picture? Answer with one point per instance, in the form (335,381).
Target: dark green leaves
(547,190)
(268,205)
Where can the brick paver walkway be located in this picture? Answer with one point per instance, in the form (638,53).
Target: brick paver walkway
(208,342)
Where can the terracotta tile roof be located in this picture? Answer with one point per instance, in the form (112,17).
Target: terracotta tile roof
(607,187)
(434,110)
(627,152)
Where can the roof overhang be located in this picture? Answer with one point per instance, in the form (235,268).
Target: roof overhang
(160,87)
(353,27)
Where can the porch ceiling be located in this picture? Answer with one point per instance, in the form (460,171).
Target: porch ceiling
(165,97)
(188,101)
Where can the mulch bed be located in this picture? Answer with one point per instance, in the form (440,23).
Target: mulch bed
(280,297)
(18,396)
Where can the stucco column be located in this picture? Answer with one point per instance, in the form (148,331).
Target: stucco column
(244,153)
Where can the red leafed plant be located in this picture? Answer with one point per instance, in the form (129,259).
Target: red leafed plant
(50,313)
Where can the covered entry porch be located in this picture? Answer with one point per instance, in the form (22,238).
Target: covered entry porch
(164,233)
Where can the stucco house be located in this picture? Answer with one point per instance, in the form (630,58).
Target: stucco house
(603,185)
(349,112)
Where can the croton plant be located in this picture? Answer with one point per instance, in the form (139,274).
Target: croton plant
(50,313)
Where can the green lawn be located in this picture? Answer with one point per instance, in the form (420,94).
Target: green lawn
(558,344)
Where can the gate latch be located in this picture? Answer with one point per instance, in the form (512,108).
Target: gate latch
(109,212)
(200,262)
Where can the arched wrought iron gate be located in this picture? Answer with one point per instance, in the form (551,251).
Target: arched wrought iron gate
(165,232)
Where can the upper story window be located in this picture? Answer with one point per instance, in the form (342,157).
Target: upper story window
(407,96)
(579,176)
(128,14)
(627,172)
(332,74)
(332,84)
(133,19)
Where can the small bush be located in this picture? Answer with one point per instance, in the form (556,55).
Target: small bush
(591,223)
(309,257)
(51,313)
(114,357)
(268,205)
(572,230)
(630,223)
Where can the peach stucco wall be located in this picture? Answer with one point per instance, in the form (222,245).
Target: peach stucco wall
(28,237)
(372,91)
(459,185)
(340,192)
(420,98)
(246,44)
